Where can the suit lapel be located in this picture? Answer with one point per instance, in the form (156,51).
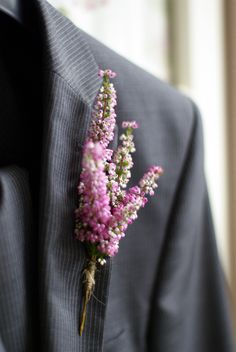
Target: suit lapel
(70,86)
(66,52)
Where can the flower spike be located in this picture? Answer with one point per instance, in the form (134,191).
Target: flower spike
(105,207)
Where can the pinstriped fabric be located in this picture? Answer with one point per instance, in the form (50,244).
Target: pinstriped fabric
(146,309)
(62,259)
(71,84)
(67,53)
(2,348)
(15,229)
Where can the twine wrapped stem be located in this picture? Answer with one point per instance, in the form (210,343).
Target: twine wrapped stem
(88,288)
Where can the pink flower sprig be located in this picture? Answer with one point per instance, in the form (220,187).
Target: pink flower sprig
(105,207)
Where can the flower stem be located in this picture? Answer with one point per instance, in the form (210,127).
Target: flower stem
(89,284)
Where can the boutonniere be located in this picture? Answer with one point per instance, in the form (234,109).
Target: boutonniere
(105,207)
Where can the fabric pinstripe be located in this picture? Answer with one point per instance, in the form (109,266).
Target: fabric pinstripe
(145,298)
(69,87)
(15,239)
(72,77)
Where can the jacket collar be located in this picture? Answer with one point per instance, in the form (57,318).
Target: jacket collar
(66,52)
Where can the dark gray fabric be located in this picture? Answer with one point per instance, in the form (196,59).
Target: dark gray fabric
(164,291)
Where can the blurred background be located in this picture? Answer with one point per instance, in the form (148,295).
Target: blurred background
(192,45)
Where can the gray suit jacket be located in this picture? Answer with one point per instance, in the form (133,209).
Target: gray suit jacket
(164,291)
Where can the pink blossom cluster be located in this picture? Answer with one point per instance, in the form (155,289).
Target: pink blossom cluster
(104,117)
(148,181)
(105,209)
(107,73)
(129,124)
(94,210)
